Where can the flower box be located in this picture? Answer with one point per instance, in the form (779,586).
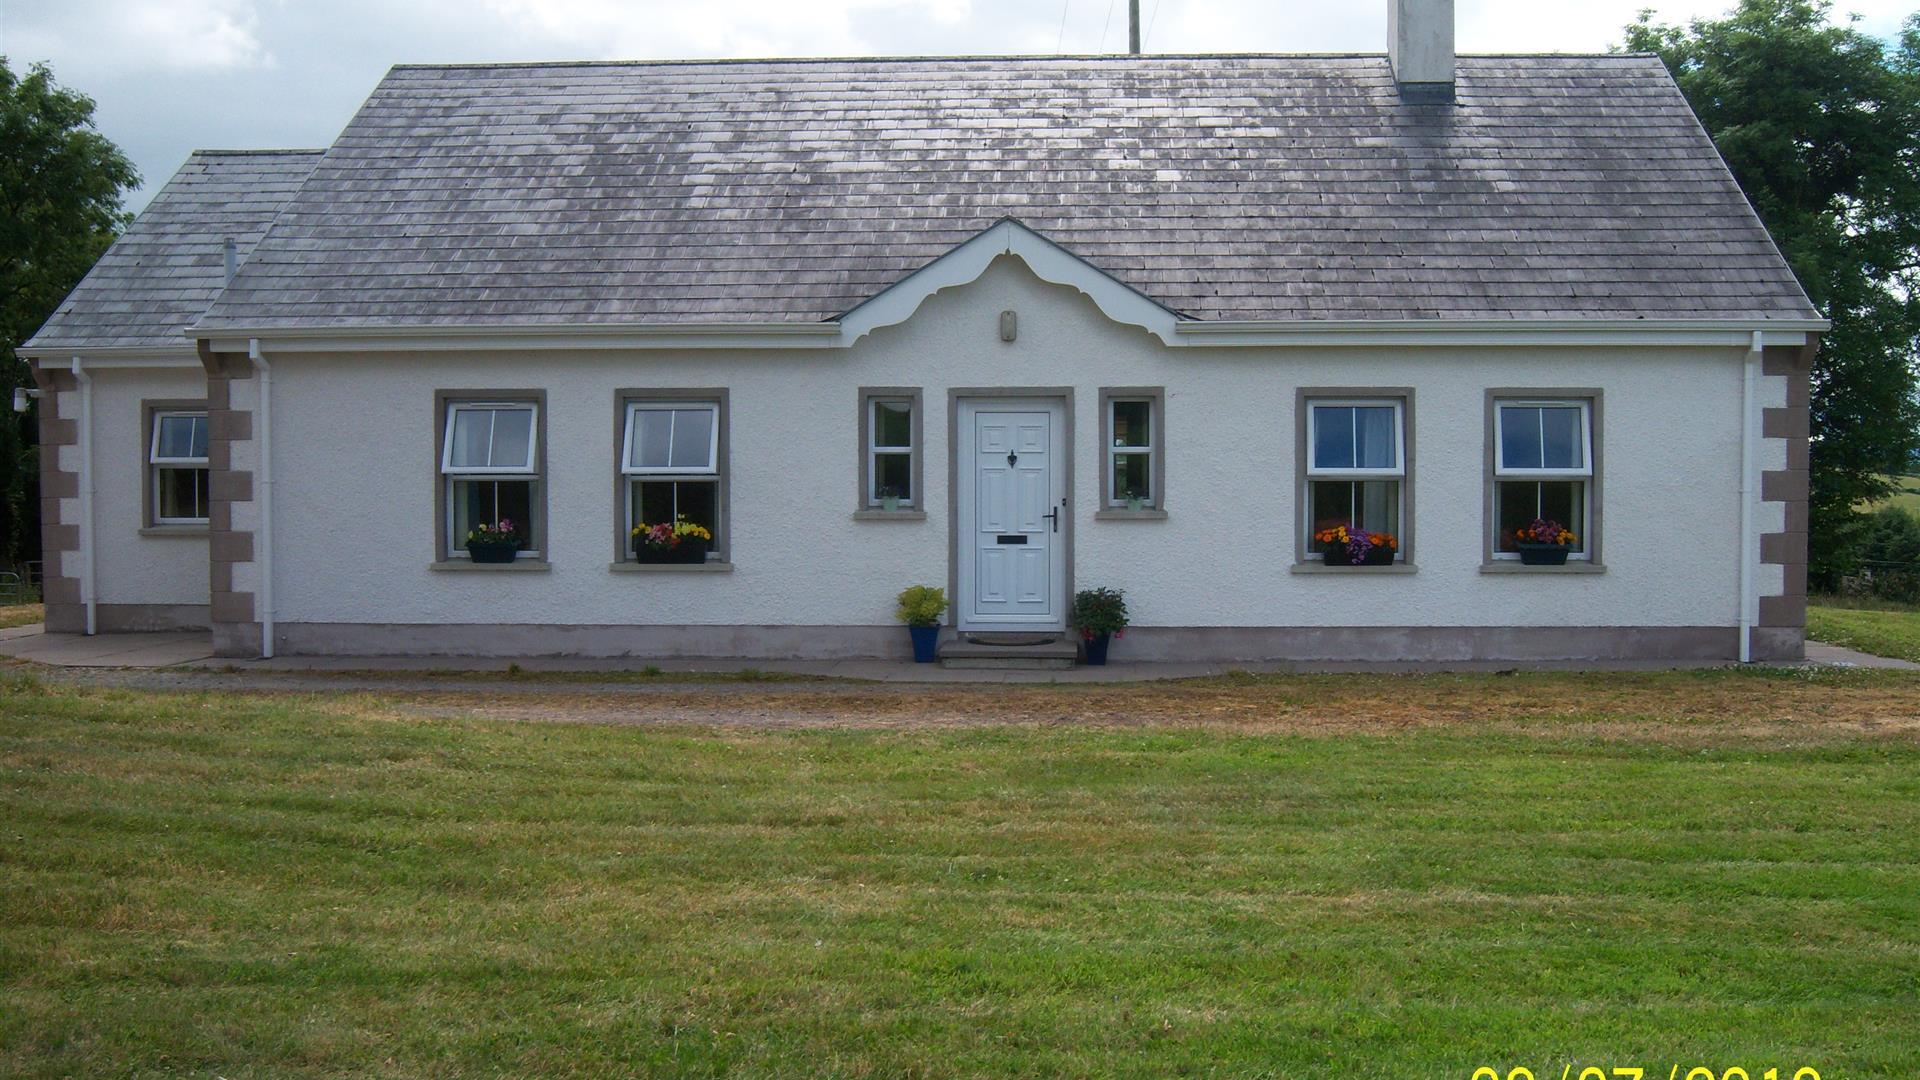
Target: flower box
(493,553)
(686,551)
(1543,542)
(1542,554)
(1342,555)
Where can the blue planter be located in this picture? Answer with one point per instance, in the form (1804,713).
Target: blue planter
(926,639)
(1097,649)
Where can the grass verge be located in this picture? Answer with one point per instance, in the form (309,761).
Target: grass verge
(286,886)
(1879,628)
(12,615)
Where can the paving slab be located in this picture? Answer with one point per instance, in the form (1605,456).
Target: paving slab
(109,650)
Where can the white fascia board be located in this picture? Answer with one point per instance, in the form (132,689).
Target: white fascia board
(146,356)
(1048,261)
(1496,332)
(821,335)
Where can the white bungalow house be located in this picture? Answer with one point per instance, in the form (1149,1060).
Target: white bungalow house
(1013,326)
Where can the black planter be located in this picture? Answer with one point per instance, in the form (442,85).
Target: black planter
(1542,554)
(1339,555)
(493,553)
(687,551)
(1097,649)
(925,641)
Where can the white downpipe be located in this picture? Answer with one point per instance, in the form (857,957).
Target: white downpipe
(263,543)
(1749,543)
(87,583)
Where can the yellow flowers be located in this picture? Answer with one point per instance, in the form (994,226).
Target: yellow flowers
(670,534)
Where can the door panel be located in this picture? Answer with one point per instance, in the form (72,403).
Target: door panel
(1013,554)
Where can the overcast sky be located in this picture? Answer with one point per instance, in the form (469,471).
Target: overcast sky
(171,76)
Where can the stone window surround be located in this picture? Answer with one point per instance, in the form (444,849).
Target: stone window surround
(443,557)
(1156,399)
(863,509)
(1303,555)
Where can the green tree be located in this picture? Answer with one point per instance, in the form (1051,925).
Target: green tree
(61,185)
(1821,126)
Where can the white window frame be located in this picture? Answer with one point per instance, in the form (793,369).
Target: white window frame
(1584,474)
(1314,472)
(531,468)
(1399,469)
(1500,467)
(634,408)
(1153,447)
(633,474)
(157,464)
(874,449)
(530,472)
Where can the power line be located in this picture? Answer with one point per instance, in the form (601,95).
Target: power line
(1150,21)
(1104,25)
(1062,39)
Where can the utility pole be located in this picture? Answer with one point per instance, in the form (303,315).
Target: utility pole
(1133,27)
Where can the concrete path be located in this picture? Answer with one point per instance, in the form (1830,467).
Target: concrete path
(107,650)
(194,652)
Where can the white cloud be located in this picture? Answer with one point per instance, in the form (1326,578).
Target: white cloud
(140,35)
(728,28)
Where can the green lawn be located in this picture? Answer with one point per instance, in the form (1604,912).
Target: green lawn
(1882,629)
(1332,877)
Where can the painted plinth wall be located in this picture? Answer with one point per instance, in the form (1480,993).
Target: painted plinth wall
(356,511)
(147,577)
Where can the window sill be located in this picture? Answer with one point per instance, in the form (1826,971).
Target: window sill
(890,515)
(200,531)
(468,566)
(1515,566)
(1323,568)
(1121,513)
(670,568)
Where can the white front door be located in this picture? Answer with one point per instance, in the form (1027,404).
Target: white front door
(1012,557)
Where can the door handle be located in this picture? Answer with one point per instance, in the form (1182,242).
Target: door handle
(1053,515)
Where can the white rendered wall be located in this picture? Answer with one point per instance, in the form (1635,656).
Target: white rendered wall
(132,568)
(356,513)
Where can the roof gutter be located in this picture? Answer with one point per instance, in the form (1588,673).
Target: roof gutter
(572,336)
(1496,332)
(1182,333)
(117,356)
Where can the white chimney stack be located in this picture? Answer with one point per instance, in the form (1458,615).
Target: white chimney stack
(1420,48)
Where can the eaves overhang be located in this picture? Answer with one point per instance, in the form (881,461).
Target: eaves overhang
(116,356)
(1048,261)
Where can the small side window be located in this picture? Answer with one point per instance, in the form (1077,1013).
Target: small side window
(890,451)
(177,462)
(1131,425)
(1133,468)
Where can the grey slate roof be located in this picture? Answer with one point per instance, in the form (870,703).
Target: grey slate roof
(171,262)
(1227,187)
